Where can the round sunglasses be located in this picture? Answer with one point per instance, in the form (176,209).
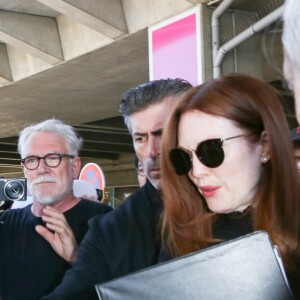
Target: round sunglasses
(209,152)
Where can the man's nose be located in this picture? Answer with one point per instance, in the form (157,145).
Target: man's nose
(153,147)
(42,168)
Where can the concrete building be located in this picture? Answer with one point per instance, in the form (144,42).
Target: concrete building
(73,59)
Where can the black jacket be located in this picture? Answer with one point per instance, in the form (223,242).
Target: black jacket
(121,242)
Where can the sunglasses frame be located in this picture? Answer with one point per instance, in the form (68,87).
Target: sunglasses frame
(188,166)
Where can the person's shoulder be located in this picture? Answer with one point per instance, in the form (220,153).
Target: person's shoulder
(123,212)
(3,213)
(84,211)
(15,212)
(15,217)
(93,205)
(141,197)
(134,202)
(134,197)
(136,208)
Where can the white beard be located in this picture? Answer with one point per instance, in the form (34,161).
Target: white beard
(58,195)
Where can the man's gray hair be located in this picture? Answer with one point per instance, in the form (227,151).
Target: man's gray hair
(67,132)
(153,92)
(291,30)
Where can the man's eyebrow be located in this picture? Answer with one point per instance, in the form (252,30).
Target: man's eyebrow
(154,132)
(157,132)
(140,134)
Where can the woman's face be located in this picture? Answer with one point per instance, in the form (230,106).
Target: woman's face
(230,186)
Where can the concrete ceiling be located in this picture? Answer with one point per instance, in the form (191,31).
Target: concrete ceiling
(85,89)
(72,60)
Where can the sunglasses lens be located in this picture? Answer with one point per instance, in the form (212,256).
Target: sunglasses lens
(210,153)
(181,161)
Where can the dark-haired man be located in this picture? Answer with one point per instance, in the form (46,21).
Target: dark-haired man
(126,240)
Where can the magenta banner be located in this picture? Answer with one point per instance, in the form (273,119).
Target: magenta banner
(174,48)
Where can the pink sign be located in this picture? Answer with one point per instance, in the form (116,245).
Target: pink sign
(94,175)
(174,50)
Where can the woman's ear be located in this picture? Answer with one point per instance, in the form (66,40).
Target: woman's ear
(265,147)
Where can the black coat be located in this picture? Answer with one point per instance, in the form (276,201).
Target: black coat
(123,241)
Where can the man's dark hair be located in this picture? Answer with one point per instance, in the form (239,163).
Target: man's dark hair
(296,144)
(144,95)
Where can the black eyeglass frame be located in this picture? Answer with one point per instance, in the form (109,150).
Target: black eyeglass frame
(188,165)
(141,173)
(60,156)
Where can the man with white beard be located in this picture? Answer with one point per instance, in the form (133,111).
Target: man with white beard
(34,252)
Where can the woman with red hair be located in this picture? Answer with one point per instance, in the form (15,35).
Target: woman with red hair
(228,170)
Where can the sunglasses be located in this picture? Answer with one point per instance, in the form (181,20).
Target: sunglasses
(209,152)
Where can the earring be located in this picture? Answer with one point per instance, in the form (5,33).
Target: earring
(264,159)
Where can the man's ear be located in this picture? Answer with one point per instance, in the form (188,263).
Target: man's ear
(265,147)
(288,70)
(76,167)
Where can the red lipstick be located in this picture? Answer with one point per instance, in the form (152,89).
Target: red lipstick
(209,191)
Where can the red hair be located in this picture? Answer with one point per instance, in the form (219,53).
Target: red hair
(253,106)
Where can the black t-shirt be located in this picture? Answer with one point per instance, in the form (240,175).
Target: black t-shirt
(123,241)
(29,267)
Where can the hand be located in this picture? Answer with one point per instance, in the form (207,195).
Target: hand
(62,240)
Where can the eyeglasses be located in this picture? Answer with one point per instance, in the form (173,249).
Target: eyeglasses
(140,172)
(52,160)
(140,169)
(209,152)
